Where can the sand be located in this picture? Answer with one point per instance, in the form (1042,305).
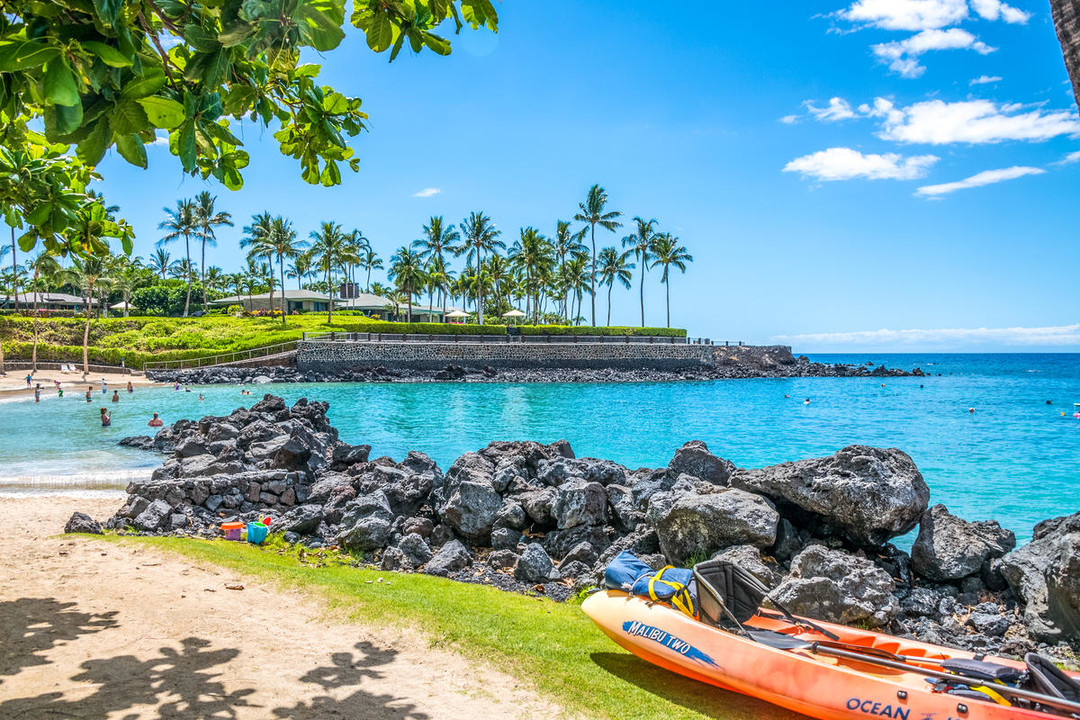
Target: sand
(93,629)
(14,383)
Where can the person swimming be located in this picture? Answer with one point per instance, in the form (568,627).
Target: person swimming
(116,396)
(200,397)
(971,410)
(155,421)
(106,417)
(806,401)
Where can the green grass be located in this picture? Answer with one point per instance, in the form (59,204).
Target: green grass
(553,646)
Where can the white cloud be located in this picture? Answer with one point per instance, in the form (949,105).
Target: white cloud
(1054,336)
(840,163)
(837,109)
(902,55)
(936,122)
(427,192)
(1073,157)
(995,9)
(161,138)
(906,14)
(985,80)
(790,119)
(987,177)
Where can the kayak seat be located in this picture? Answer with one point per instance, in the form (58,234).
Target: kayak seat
(1047,678)
(727,594)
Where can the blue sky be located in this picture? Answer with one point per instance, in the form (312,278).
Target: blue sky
(929,206)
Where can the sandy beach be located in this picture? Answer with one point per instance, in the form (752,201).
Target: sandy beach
(13,384)
(107,630)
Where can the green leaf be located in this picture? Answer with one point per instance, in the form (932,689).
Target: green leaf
(94,145)
(39,214)
(199,39)
(108,10)
(380,35)
(128,117)
(108,54)
(59,84)
(162,112)
(27,241)
(63,120)
(146,85)
(25,54)
(438,44)
(185,145)
(331,175)
(236,33)
(131,149)
(317,27)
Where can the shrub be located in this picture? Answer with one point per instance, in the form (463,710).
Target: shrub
(588,330)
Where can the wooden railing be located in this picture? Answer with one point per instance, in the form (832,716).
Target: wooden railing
(222,358)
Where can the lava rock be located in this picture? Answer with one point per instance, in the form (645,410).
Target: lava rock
(579,502)
(949,548)
(153,517)
(838,587)
(82,523)
(704,524)
(1044,574)
(694,459)
(865,495)
(534,565)
(366,523)
(452,556)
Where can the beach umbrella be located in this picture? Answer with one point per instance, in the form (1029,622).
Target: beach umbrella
(513,314)
(457,314)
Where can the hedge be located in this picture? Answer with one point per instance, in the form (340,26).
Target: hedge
(424,328)
(589,330)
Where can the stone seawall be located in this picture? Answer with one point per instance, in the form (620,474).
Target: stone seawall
(331,357)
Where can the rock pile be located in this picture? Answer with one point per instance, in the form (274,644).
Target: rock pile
(523,515)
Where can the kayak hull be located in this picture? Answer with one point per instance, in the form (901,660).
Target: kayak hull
(819,686)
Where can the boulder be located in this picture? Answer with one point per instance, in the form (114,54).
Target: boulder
(578,502)
(415,549)
(703,524)
(302,520)
(534,565)
(366,523)
(153,517)
(139,442)
(749,558)
(835,586)
(1045,574)
(505,538)
(538,506)
(694,459)
(471,509)
(345,455)
(452,556)
(949,548)
(82,523)
(865,495)
(502,559)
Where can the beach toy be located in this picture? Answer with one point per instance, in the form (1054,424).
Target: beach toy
(232,530)
(256,532)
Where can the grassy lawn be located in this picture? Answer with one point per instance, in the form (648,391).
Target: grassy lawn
(551,645)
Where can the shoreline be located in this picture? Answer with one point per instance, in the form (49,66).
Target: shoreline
(13,384)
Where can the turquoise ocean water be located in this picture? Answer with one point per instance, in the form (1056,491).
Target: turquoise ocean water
(1015,459)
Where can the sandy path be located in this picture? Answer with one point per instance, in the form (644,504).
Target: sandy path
(91,629)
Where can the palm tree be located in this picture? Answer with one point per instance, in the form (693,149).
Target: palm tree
(181,222)
(215,279)
(208,218)
(46,272)
(127,277)
(613,266)
(370,260)
(299,268)
(668,253)
(566,243)
(592,212)
(579,280)
(534,257)
(284,243)
(329,248)
(480,234)
(161,262)
(640,243)
(407,272)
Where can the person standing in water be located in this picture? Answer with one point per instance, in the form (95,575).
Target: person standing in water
(155,421)
(37,393)
(89,393)
(106,417)
(104,387)
(116,396)
(130,388)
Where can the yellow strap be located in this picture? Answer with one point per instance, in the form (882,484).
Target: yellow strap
(994,695)
(681,599)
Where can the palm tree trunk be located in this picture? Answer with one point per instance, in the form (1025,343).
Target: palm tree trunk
(284,305)
(642,292)
(367,287)
(330,298)
(202,275)
(592,275)
(609,304)
(479,288)
(667,294)
(187,300)
(14,270)
(1066,14)
(86,332)
(33,354)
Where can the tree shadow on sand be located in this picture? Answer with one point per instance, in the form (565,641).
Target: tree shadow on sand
(183,682)
(708,700)
(348,671)
(31,627)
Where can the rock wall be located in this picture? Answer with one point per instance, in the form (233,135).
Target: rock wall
(522,515)
(333,357)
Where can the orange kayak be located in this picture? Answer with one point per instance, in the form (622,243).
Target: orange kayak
(801,677)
